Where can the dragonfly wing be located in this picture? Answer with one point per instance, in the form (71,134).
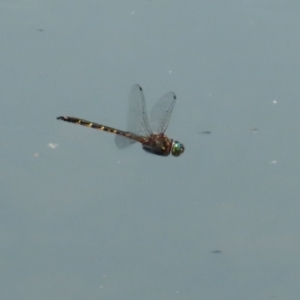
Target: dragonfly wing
(123,142)
(161,113)
(137,121)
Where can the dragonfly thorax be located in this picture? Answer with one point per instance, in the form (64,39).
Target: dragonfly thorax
(158,144)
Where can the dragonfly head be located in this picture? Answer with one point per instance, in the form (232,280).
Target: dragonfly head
(177,148)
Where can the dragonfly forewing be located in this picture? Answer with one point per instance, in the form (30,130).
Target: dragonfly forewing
(161,113)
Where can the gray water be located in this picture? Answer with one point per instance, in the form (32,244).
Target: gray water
(81,219)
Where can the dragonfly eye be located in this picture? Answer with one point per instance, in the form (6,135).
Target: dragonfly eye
(177,148)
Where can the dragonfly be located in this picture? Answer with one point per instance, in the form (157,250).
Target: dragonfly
(151,134)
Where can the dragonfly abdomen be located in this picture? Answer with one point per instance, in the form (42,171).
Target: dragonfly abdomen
(98,126)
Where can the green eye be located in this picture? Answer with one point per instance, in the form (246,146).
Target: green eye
(177,148)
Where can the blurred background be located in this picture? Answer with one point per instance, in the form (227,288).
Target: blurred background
(81,219)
